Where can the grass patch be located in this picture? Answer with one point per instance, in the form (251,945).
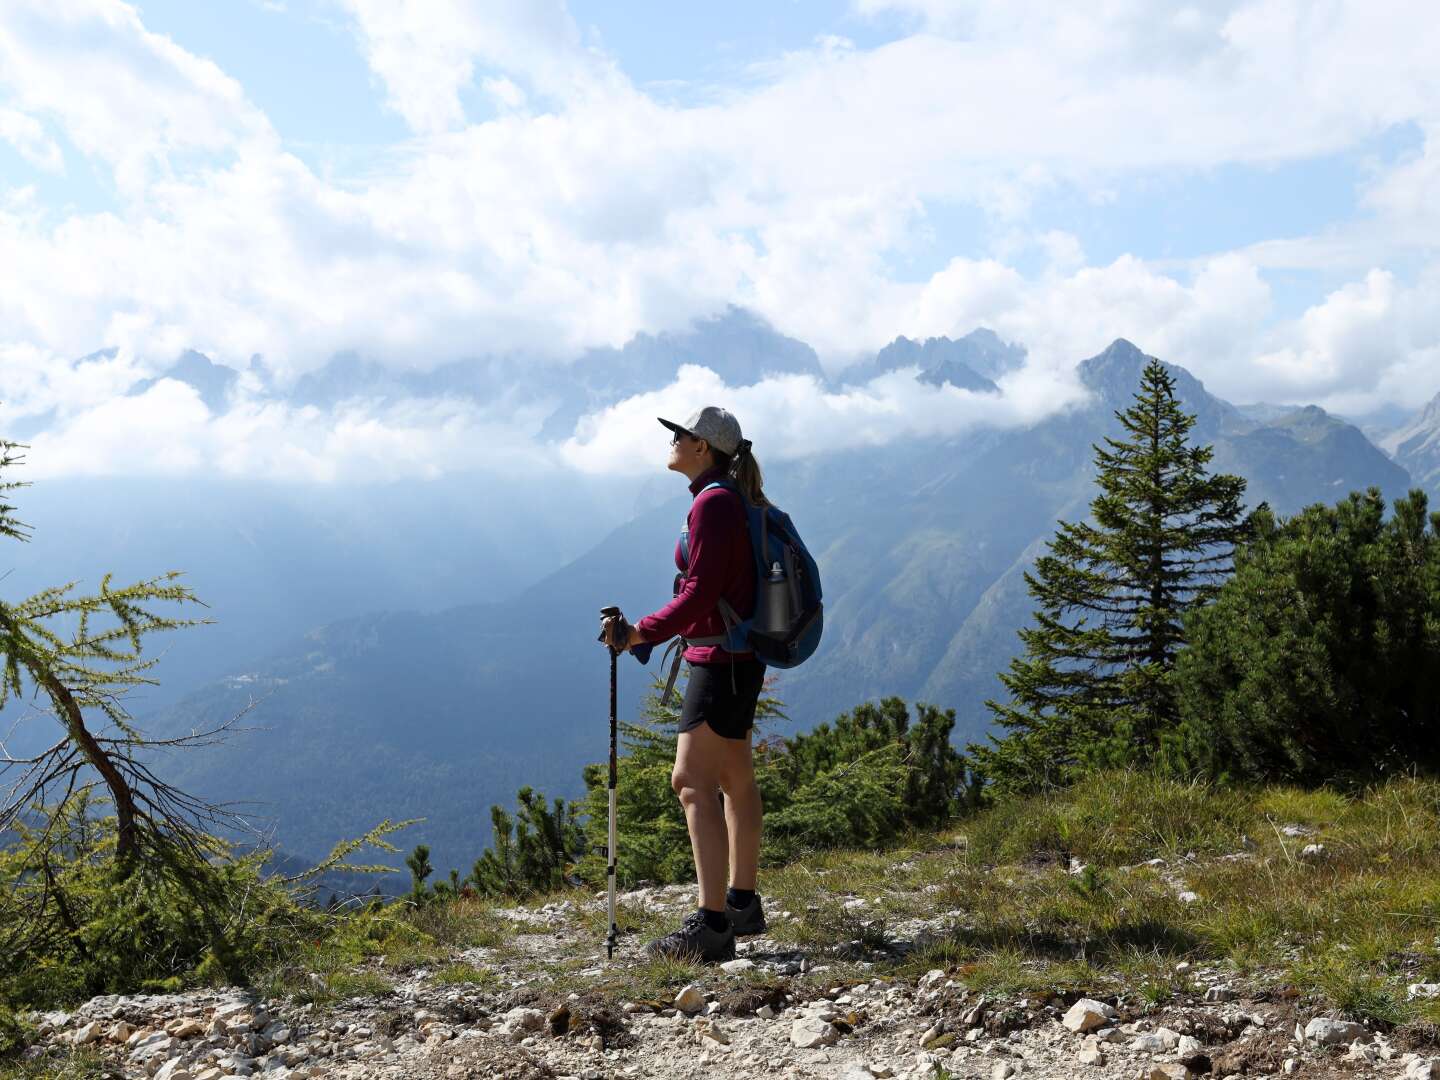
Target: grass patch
(1004,914)
(467,975)
(78,1063)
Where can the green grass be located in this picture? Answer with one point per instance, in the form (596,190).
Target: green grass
(81,1063)
(1351,928)
(467,975)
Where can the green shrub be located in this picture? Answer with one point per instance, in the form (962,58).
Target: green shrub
(864,779)
(1319,659)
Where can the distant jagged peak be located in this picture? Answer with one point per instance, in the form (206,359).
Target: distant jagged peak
(212,381)
(972,362)
(981,350)
(1420,433)
(1428,417)
(737,344)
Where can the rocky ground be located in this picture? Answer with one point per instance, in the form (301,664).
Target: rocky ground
(773,1011)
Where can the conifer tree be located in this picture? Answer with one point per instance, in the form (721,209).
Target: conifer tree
(1319,660)
(83,674)
(1094,686)
(532,852)
(419,863)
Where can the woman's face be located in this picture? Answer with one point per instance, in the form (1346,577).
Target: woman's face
(687,454)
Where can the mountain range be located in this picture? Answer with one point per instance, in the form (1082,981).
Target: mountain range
(923,545)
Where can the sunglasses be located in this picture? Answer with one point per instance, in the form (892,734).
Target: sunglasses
(675,438)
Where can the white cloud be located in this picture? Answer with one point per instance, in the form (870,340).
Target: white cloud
(586,211)
(795,416)
(1368,343)
(27,135)
(428,51)
(168,430)
(124,95)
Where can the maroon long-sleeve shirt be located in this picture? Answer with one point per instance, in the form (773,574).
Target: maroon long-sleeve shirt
(721,564)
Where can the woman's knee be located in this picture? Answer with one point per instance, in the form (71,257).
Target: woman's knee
(690,786)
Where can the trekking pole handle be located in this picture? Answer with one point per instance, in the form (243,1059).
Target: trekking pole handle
(609,613)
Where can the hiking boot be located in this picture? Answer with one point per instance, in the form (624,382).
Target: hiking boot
(695,941)
(747,920)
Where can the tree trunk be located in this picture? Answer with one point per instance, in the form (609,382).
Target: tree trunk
(126,839)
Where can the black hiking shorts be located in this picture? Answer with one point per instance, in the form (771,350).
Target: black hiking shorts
(711,698)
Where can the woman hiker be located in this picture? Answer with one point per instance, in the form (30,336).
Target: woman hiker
(713,754)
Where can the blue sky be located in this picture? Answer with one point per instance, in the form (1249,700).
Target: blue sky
(1247,187)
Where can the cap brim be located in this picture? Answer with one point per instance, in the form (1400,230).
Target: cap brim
(675,427)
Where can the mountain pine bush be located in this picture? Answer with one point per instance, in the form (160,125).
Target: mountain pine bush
(533,852)
(864,779)
(1319,659)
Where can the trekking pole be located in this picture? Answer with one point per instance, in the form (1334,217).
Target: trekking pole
(614,932)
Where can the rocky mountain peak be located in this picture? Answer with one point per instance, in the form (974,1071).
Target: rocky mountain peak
(210,380)
(1115,371)
(972,362)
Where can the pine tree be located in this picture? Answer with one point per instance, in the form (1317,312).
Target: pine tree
(1319,660)
(419,863)
(1094,686)
(534,851)
(82,654)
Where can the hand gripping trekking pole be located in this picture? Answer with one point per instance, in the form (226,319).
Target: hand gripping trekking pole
(614,931)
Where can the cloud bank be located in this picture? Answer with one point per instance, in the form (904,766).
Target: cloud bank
(575,210)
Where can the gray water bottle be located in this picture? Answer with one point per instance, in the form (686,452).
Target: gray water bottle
(777,615)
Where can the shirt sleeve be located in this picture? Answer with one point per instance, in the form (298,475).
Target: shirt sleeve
(715,529)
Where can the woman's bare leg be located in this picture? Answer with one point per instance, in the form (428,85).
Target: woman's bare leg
(742,813)
(696,780)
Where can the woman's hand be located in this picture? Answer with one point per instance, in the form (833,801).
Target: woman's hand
(619,634)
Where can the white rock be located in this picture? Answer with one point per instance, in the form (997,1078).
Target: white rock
(1002,1070)
(1092,1056)
(1420,1069)
(810,1031)
(174,1069)
(1219,993)
(734,967)
(520,1020)
(1365,1053)
(1087,1015)
(765,1012)
(1188,1045)
(1170,1071)
(711,1032)
(87,1034)
(1160,1041)
(690,1000)
(1326,1031)
(1289,1066)
(881,1072)
(1423,991)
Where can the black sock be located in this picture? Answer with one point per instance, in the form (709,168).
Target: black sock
(715,920)
(739,898)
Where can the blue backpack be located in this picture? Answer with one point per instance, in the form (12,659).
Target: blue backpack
(789,617)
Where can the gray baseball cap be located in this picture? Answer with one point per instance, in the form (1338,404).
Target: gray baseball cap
(713,424)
